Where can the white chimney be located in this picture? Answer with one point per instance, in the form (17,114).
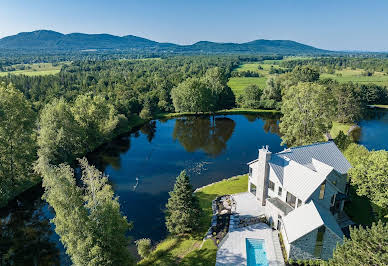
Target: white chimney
(263,174)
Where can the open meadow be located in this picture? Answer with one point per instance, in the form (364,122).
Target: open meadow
(355,75)
(39,69)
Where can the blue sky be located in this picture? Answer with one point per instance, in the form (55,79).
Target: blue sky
(328,24)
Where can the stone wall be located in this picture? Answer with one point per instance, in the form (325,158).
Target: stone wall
(303,248)
(330,241)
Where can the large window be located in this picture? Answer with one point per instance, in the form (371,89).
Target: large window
(322,190)
(253,189)
(280,191)
(291,199)
(319,241)
(271,185)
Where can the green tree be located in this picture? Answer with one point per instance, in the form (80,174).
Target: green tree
(356,154)
(251,97)
(107,224)
(305,74)
(348,103)
(17,141)
(60,136)
(342,141)
(273,90)
(183,211)
(143,247)
(364,247)
(97,118)
(192,95)
(89,222)
(370,177)
(223,96)
(307,114)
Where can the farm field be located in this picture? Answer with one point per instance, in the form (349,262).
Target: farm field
(238,84)
(39,69)
(355,75)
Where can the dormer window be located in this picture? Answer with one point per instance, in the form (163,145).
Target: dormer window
(322,190)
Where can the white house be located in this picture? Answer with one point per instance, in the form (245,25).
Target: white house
(302,190)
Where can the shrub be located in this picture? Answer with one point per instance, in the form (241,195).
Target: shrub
(143,247)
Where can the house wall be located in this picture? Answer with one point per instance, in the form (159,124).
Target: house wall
(330,190)
(285,241)
(330,241)
(338,180)
(303,248)
(273,194)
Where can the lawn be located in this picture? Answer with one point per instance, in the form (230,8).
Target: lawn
(337,127)
(39,69)
(354,75)
(187,251)
(238,84)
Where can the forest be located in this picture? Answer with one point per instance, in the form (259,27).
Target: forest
(47,122)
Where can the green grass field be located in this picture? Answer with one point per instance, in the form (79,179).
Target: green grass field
(39,69)
(238,84)
(354,75)
(187,251)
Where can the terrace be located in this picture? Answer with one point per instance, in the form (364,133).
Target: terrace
(232,250)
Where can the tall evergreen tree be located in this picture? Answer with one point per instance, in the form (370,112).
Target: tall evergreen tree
(364,247)
(182,208)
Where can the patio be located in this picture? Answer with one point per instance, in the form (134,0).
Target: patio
(232,249)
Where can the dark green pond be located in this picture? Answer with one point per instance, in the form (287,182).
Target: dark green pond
(142,167)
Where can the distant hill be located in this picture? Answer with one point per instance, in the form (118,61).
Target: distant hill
(53,41)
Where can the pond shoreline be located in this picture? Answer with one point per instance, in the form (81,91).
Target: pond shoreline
(135,125)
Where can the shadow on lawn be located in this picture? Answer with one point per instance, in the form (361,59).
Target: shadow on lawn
(163,256)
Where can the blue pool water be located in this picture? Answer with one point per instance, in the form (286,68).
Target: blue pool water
(255,252)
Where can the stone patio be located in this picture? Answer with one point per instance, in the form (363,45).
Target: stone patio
(232,249)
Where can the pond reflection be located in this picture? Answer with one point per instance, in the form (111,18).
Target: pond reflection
(203,133)
(27,237)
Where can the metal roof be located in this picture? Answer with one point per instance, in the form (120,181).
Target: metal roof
(302,169)
(325,152)
(307,218)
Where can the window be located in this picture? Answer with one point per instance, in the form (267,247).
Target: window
(319,241)
(280,191)
(322,190)
(250,171)
(299,203)
(291,199)
(253,189)
(332,200)
(271,185)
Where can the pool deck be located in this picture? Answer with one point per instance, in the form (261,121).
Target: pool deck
(232,250)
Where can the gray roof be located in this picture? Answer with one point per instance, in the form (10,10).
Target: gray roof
(325,152)
(277,163)
(307,218)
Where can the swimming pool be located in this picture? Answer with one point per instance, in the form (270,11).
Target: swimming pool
(255,252)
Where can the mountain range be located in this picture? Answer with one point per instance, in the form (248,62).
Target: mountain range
(54,41)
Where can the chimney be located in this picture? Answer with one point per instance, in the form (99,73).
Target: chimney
(263,174)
